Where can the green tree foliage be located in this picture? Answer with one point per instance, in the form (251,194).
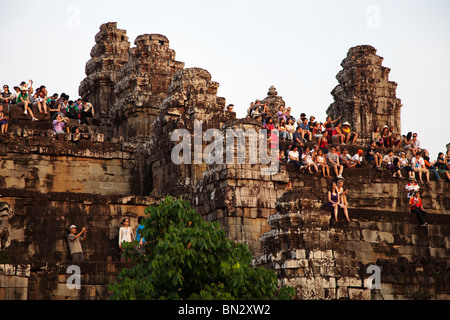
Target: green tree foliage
(186,257)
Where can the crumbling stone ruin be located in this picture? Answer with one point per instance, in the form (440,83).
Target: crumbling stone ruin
(364,96)
(123,162)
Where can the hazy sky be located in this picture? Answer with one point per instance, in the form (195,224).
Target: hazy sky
(247,46)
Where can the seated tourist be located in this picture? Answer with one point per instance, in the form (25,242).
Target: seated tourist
(416,207)
(335,203)
(308,160)
(333,200)
(269,126)
(282,129)
(321,163)
(411,187)
(294,157)
(387,137)
(23,100)
(349,135)
(298,138)
(63,104)
(72,112)
(337,134)
(333,162)
(441,164)
(290,129)
(289,116)
(347,160)
(418,165)
(6,96)
(59,123)
(40,99)
(376,136)
(416,148)
(3,121)
(388,160)
(281,114)
(317,131)
(323,144)
(359,158)
(403,164)
(305,129)
(429,165)
(396,140)
(53,107)
(373,155)
(328,124)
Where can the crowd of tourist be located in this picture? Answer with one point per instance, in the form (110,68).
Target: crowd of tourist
(59,107)
(316,146)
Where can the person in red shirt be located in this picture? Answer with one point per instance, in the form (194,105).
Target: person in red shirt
(415,204)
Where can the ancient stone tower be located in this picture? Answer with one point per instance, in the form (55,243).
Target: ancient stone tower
(108,55)
(142,85)
(364,96)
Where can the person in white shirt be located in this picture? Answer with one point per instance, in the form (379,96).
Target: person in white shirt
(125,234)
(418,165)
(359,158)
(308,160)
(411,187)
(347,160)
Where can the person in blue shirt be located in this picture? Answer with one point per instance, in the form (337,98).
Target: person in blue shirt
(306,130)
(138,231)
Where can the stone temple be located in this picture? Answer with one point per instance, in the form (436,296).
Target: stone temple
(122,162)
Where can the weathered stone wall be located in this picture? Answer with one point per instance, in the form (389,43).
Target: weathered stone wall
(323,259)
(36,159)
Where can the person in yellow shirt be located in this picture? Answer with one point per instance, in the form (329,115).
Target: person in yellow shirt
(349,135)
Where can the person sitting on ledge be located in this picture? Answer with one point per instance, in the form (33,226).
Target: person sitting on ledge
(308,160)
(349,135)
(322,164)
(86,112)
(418,165)
(411,187)
(430,165)
(442,165)
(3,121)
(306,129)
(40,99)
(334,202)
(388,161)
(333,162)
(23,100)
(6,96)
(347,160)
(373,155)
(336,133)
(359,158)
(290,129)
(72,111)
(403,164)
(294,157)
(416,206)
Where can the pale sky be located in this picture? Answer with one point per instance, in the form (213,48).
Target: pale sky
(247,46)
